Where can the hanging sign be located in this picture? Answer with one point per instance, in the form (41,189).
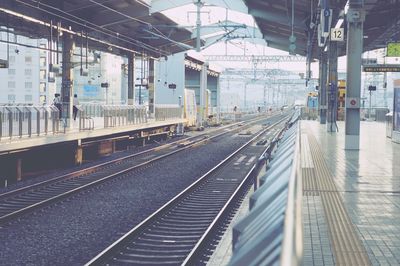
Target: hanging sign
(337,35)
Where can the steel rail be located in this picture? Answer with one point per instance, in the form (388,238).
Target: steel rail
(93,168)
(114,248)
(22,205)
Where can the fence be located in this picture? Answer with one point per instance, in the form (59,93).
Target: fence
(113,115)
(166,112)
(21,120)
(271,234)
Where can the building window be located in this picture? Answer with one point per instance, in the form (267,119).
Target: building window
(11,71)
(28,85)
(28,59)
(42,87)
(42,99)
(11,84)
(11,97)
(42,74)
(28,72)
(28,98)
(42,61)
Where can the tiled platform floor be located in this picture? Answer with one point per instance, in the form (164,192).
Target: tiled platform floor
(368,181)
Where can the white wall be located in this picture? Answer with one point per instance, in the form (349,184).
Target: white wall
(167,72)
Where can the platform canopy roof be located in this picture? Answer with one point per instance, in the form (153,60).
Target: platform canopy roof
(274,19)
(121,25)
(141,25)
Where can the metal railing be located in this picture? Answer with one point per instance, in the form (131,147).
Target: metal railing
(271,234)
(166,112)
(114,115)
(27,120)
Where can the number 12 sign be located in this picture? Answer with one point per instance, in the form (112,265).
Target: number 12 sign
(337,35)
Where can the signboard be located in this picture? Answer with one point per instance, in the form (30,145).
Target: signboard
(381,68)
(326,20)
(396,106)
(393,49)
(369,61)
(352,102)
(337,35)
(3,63)
(90,91)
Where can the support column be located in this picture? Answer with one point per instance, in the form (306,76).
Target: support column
(332,88)
(355,19)
(151,87)
(218,100)
(67,78)
(131,79)
(203,87)
(79,153)
(322,87)
(18,172)
(245,96)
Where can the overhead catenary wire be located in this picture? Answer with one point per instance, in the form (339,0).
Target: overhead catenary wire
(89,25)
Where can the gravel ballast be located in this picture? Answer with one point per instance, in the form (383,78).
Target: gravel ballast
(75,230)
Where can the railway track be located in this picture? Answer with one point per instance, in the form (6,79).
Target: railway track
(177,233)
(20,201)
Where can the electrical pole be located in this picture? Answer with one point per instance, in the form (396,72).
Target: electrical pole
(199,4)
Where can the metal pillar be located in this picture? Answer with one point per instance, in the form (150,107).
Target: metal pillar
(245,96)
(151,87)
(203,87)
(131,79)
(265,97)
(199,4)
(332,88)
(322,87)
(355,19)
(67,78)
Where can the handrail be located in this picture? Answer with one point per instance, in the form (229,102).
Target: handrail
(274,223)
(293,237)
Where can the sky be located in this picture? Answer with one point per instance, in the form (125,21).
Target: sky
(186,16)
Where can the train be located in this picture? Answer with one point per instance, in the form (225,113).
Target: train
(192,111)
(341,100)
(190,108)
(311,109)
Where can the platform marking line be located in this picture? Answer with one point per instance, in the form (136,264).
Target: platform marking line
(306,158)
(346,244)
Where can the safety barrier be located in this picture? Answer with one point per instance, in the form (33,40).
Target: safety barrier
(271,233)
(114,115)
(166,112)
(27,120)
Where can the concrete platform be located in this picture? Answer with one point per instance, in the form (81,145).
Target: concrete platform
(351,199)
(73,134)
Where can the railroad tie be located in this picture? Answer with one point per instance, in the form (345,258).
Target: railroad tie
(318,180)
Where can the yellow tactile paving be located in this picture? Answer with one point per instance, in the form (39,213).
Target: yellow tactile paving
(318,180)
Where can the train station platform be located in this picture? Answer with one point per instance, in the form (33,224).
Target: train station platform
(74,133)
(351,199)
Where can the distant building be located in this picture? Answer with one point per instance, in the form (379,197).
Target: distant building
(25,80)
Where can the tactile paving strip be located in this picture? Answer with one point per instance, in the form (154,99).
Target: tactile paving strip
(346,245)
